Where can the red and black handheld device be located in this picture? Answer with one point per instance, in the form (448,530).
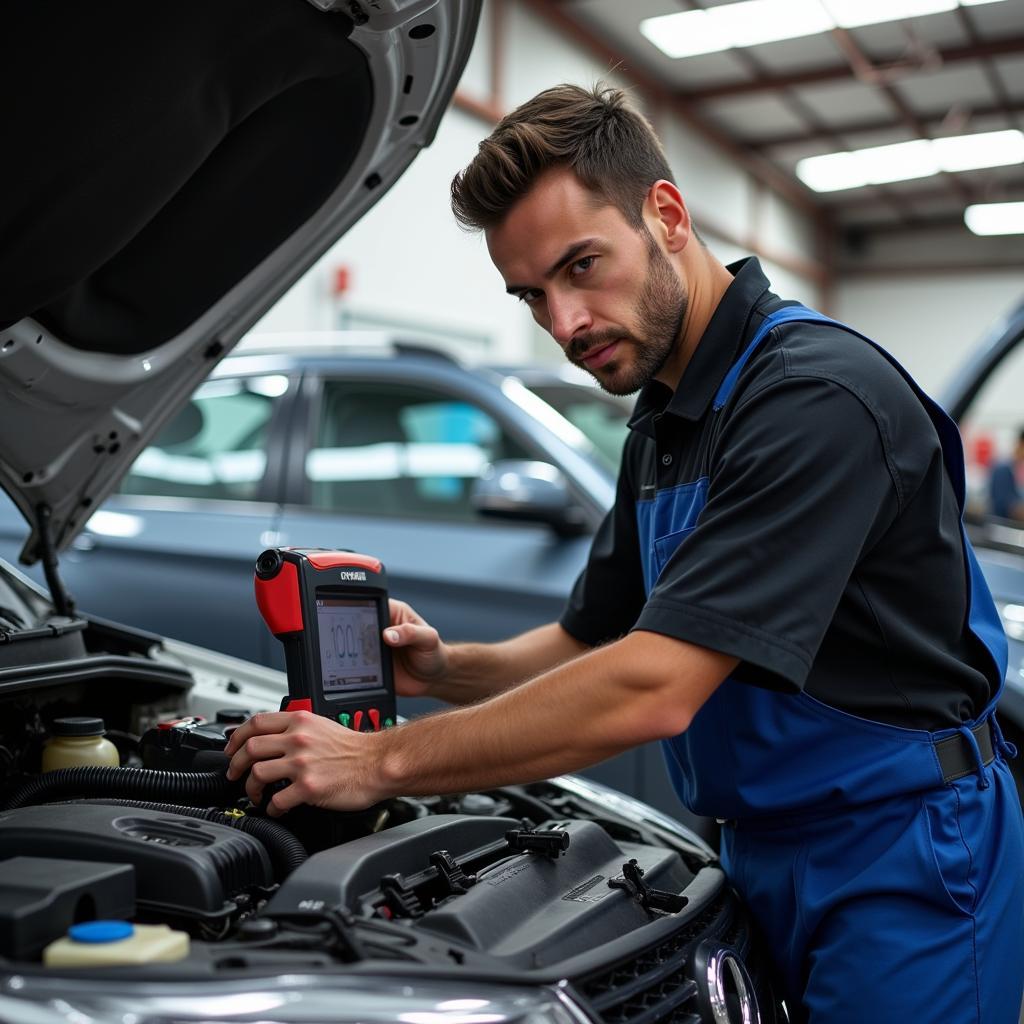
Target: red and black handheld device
(329,608)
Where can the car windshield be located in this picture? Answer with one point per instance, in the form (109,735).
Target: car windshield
(599,416)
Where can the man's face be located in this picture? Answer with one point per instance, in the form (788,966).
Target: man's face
(602,289)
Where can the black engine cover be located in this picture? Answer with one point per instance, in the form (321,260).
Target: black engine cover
(194,866)
(527,909)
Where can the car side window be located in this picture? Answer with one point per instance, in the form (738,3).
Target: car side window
(215,447)
(993,432)
(383,449)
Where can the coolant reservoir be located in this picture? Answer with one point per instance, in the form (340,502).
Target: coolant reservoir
(78,743)
(111,943)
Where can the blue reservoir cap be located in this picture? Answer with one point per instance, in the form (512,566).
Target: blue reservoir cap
(101,931)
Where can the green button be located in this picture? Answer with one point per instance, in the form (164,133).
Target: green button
(388,723)
(345,719)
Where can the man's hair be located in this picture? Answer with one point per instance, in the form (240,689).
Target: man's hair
(610,147)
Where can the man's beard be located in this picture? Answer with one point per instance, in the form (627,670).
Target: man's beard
(661,311)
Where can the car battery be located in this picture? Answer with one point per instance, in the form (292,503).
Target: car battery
(190,744)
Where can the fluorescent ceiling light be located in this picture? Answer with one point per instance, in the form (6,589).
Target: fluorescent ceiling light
(906,160)
(969,152)
(855,13)
(995,219)
(751,22)
(765,21)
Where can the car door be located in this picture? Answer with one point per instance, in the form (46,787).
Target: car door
(174,551)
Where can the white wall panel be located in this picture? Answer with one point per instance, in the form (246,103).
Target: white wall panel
(710,183)
(538,57)
(929,323)
(788,285)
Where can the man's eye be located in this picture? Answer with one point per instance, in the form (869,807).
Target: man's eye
(530,296)
(582,265)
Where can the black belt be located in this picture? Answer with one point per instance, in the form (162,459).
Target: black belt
(957,757)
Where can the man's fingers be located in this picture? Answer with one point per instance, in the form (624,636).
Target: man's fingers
(423,638)
(255,748)
(260,724)
(399,612)
(284,800)
(263,774)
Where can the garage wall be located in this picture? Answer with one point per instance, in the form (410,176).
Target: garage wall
(409,267)
(931,322)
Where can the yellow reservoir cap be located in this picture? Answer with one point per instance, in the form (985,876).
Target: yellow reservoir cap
(144,944)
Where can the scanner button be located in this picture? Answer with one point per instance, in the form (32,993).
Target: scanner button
(300,704)
(374,719)
(388,723)
(357,721)
(346,719)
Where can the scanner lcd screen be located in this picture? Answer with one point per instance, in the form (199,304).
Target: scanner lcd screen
(350,656)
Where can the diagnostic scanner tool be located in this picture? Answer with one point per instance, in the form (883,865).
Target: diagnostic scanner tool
(329,608)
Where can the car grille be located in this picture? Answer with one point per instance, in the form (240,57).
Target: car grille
(655,984)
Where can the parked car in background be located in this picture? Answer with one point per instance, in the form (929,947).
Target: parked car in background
(986,398)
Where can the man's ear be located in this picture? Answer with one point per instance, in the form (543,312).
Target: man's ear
(667,217)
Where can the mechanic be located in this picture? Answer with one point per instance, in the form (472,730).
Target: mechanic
(781,593)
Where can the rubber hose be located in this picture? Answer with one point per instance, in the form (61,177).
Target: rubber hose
(285,850)
(133,783)
(518,793)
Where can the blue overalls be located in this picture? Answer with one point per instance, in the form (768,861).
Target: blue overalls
(888,889)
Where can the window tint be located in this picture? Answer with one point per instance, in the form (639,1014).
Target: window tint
(392,450)
(992,430)
(215,447)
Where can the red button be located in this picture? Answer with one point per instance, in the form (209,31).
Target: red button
(357,721)
(300,704)
(374,718)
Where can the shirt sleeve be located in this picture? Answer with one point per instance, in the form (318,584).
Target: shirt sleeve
(800,488)
(609,593)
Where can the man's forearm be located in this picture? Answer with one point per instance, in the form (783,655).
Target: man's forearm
(641,688)
(480,671)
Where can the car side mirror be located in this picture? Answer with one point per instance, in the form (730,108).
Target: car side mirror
(528,491)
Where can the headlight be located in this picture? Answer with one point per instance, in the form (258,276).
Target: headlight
(288,999)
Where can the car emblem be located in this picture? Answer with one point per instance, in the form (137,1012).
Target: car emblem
(725,985)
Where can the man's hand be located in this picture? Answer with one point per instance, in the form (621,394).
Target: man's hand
(327,765)
(420,656)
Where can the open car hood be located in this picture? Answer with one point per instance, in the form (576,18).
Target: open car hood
(171,171)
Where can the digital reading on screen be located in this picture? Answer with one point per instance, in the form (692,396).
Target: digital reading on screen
(349,644)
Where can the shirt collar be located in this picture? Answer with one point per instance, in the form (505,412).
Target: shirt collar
(715,353)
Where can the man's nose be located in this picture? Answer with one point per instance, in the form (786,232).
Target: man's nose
(569,316)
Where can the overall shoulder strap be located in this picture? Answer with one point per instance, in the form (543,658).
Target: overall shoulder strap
(786,315)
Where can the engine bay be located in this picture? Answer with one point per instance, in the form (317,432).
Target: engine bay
(520,875)
(153,865)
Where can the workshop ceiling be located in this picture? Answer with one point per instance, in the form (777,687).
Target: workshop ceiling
(960,72)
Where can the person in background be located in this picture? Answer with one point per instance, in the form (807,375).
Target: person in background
(1004,490)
